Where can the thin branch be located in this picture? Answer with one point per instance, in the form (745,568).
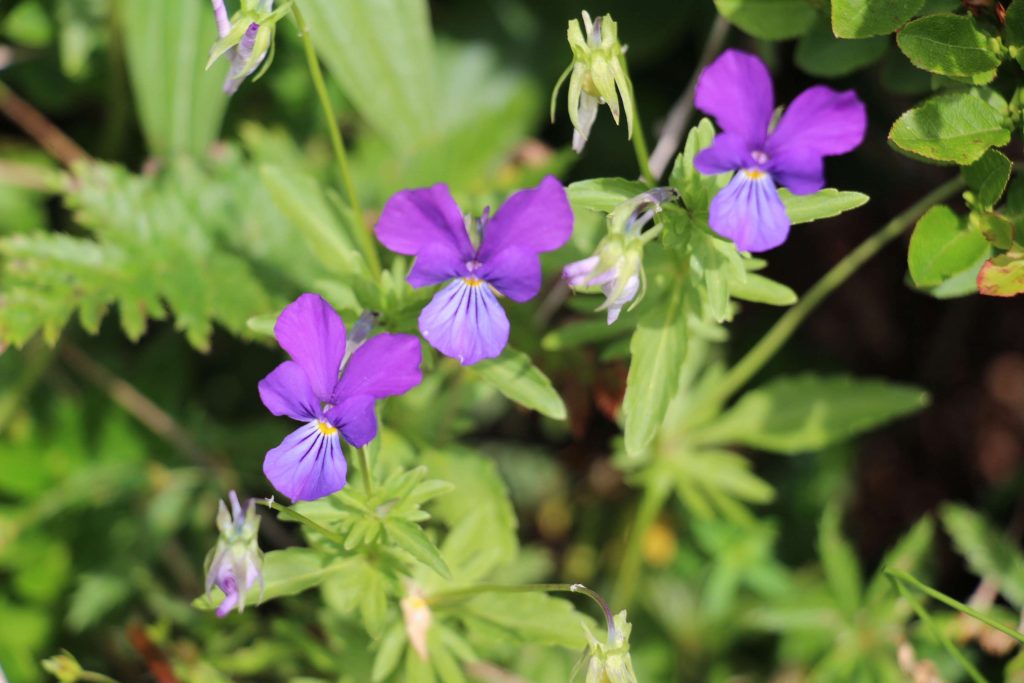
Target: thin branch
(39,128)
(675,123)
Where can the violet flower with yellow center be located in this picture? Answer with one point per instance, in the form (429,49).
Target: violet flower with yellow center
(465,320)
(737,90)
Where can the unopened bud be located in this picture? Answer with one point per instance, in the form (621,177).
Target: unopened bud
(235,564)
(417,616)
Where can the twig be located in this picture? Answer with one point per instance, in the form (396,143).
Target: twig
(675,123)
(39,128)
(138,405)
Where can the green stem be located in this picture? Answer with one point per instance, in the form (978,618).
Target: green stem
(909,579)
(366,244)
(301,519)
(654,496)
(643,158)
(445,597)
(364,465)
(765,349)
(937,633)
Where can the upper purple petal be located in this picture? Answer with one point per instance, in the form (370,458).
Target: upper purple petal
(801,171)
(308,464)
(728,152)
(426,223)
(537,220)
(465,322)
(314,336)
(822,121)
(514,272)
(749,212)
(737,90)
(286,391)
(356,420)
(386,365)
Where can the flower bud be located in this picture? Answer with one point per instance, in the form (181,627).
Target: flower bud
(608,662)
(617,266)
(597,76)
(64,667)
(246,39)
(417,617)
(236,563)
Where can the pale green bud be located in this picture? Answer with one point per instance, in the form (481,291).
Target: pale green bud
(608,662)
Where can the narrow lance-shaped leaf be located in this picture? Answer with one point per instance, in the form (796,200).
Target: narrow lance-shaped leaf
(514,375)
(825,203)
(791,415)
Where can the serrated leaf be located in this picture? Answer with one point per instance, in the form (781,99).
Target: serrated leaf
(603,194)
(769,19)
(819,53)
(514,375)
(949,45)
(791,415)
(411,538)
(988,176)
(657,348)
(956,127)
(285,572)
(822,204)
(1002,276)
(941,246)
(863,18)
(989,553)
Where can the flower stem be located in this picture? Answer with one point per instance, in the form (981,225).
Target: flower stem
(362,235)
(301,519)
(364,466)
(444,597)
(898,577)
(765,349)
(654,496)
(640,146)
(904,578)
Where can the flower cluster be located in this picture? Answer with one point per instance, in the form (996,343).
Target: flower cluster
(236,563)
(245,39)
(465,319)
(332,388)
(737,90)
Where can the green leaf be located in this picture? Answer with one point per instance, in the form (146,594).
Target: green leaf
(302,201)
(410,537)
(695,188)
(996,228)
(958,127)
(579,332)
(514,375)
(791,415)
(940,247)
(949,45)
(863,18)
(531,617)
(758,289)
(839,562)
(769,19)
(382,53)
(819,53)
(822,204)
(1002,276)
(285,572)
(906,555)
(987,177)
(180,103)
(710,482)
(1013,31)
(657,348)
(603,194)
(989,553)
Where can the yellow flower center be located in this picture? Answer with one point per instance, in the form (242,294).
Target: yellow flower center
(326,428)
(754,173)
(473,281)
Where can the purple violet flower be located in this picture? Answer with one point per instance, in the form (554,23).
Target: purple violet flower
(236,563)
(737,90)
(465,320)
(309,463)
